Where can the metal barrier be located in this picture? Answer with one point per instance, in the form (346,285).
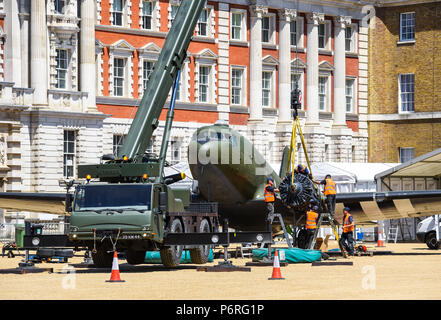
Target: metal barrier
(7,232)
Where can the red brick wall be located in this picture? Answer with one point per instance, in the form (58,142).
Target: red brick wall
(238,55)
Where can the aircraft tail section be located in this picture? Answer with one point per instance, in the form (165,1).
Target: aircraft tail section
(284,165)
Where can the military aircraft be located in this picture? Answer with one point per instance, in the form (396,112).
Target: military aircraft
(229,170)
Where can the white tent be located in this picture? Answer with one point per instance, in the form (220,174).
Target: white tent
(351,176)
(177,168)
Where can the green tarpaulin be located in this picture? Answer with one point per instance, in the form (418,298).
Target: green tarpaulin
(155,257)
(294,255)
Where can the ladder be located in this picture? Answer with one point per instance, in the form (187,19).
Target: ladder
(393,232)
(285,233)
(330,220)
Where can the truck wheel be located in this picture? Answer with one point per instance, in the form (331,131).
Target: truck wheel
(102,259)
(135,257)
(45,252)
(171,256)
(200,255)
(431,241)
(65,253)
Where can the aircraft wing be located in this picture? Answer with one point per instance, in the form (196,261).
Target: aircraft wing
(34,202)
(369,206)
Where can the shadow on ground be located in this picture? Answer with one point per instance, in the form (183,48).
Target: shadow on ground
(127,268)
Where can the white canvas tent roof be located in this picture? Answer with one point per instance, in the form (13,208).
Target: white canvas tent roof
(427,165)
(362,171)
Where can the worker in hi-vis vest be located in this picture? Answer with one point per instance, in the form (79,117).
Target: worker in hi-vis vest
(311,224)
(270,195)
(347,236)
(330,192)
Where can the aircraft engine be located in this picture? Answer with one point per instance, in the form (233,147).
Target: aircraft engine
(300,193)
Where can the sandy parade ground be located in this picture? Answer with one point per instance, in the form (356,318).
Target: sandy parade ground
(411,272)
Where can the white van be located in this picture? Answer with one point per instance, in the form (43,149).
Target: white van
(426,232)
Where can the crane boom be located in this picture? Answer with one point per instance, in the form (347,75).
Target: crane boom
(170,60)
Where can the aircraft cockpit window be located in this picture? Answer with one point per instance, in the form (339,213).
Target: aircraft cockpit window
(233,141)
(206,136)
(215,136)
(203,137)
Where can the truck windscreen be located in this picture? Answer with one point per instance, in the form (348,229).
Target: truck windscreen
(114,197)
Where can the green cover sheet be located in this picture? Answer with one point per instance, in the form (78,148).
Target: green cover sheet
(293,255)
(155,257)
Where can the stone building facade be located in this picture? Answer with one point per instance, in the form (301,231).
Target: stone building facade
(405,89)
(72,73)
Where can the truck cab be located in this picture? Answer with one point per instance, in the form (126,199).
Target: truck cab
(135,218)
(127,207)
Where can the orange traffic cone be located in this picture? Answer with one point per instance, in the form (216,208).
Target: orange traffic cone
(277,275)
(114,277)
(380,239)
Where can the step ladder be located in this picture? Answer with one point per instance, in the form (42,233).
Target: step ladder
(393,233)
(285,233)
(327,218)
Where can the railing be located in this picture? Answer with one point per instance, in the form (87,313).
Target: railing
(22,96)
(13,96)
(67,100)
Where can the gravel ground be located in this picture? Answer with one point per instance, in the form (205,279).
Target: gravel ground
(412,272)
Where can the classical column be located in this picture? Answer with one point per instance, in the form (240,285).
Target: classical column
(87,52)
(24,37)
(224,61)
(312,113)
(285,18)
(39,70)
(13,44)
(340,24)
(256,13)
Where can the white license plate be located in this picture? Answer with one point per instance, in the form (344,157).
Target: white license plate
(130,236)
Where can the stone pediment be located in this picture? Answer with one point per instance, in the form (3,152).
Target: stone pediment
(99,44)
(270,60)
(326,66)
(122,45)
(150,48)
(206,54)
(298,63)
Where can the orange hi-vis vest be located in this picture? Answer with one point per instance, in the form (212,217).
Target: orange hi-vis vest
(311,217)
(329,187)
(269,196)
(346,223)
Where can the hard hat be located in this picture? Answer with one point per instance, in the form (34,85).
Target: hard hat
(315,208)
(269,179)
(347,209)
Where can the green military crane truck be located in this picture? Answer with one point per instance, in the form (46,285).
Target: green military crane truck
(126,203)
